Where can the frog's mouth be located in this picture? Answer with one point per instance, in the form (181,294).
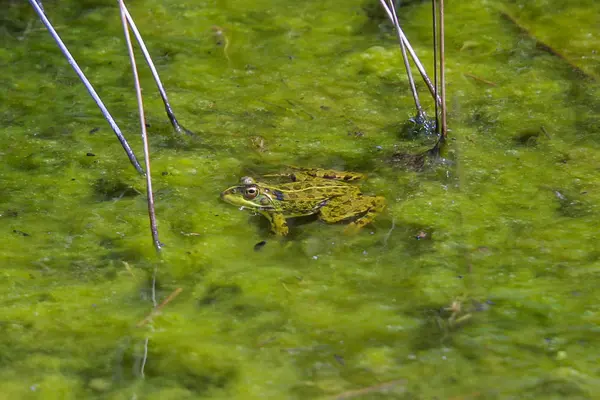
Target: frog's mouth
(230,197)
(242,208)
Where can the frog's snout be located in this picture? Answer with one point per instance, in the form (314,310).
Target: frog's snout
(225,194)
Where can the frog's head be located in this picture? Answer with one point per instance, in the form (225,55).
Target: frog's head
(249,194)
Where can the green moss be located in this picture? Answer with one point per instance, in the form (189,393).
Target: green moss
(507,229)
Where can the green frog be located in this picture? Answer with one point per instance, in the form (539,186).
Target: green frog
(308,191)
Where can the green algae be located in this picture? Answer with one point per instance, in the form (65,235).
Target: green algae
(510,224)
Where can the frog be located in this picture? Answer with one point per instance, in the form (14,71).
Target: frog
(327,193)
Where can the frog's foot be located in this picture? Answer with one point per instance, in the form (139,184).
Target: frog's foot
(377,205)
(279,225)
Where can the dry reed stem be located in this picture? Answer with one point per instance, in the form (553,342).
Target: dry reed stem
(158,308)
(138,92)
(478,79)
(36,4)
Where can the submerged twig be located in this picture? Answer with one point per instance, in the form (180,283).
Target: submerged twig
(128,268)
(153,288)
(371,389)
(389,233)
(138,91)
(545,132)
(479,79)
(144,358)
(63,48)
(163,94)
(158,308)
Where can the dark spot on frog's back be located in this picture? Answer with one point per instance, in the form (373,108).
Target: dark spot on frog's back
(278,194)
(348,178)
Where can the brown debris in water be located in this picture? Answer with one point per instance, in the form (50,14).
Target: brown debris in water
(158,308)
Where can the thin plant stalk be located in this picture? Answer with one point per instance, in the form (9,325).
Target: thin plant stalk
(163,94)
(63,48)
(435,63)
(144,358)
(412,53)
(138,92)
(411,81)
(443,71)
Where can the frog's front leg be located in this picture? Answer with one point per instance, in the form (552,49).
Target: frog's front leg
(279,225)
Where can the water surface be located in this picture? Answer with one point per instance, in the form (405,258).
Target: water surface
(508,228)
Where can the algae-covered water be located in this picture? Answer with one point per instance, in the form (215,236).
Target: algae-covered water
(479,281)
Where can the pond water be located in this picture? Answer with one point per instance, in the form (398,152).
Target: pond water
(479,280)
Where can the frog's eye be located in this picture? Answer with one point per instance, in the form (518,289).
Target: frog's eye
(250,192)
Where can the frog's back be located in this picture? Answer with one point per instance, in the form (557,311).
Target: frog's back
(307,197)
(315,189)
